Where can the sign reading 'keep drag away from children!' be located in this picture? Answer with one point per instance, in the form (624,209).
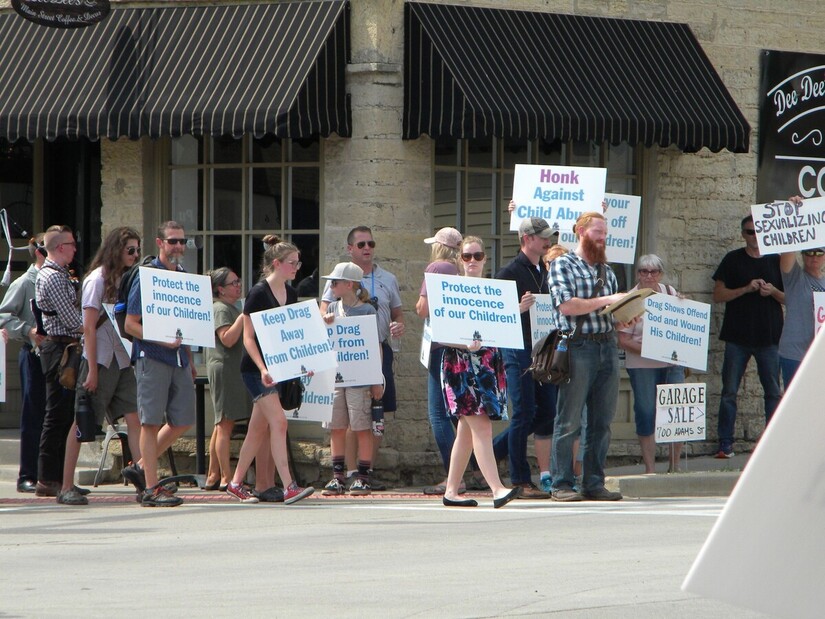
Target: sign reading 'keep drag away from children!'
(784,226)
(558,194)
(463,309)
(676,331)
(176,304)
(316,405)
(293,340)
(355,342)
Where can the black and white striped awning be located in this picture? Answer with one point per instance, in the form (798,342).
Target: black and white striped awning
(473,72)
(263,69)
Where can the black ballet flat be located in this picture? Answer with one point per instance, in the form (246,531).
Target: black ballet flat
(460,502)
(507,497)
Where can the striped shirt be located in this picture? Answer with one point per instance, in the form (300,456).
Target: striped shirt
(57,298)
(570,277)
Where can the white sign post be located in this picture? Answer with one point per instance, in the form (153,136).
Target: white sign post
(680,412)
(463,309)
(676,331)
(293,340)
(355,342)
(541,317)
(558,194)
(319,390)
(784,227)
(175,304)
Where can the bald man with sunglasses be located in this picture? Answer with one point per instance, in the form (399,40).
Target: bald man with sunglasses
(750,286)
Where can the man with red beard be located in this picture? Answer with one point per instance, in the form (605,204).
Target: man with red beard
(581,284)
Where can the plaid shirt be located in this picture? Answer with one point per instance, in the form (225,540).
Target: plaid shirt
(570,277)
(57,295)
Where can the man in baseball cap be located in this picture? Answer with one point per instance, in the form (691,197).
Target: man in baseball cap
(536,226)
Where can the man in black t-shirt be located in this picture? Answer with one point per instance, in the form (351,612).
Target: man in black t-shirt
(750,286)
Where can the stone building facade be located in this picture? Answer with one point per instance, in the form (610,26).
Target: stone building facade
(692,202)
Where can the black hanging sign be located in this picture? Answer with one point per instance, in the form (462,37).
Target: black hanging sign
(791,153)
(62,13)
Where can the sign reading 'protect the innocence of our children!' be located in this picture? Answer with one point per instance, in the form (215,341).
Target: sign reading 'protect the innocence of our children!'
(676,331)
(464,309)
(622,217)
(541,317)
(355,342)
(784,226)
(293,340)
(680,412)
(316,405)
(558,194)
(176,304)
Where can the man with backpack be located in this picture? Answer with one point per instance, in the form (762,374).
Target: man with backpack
(165,374)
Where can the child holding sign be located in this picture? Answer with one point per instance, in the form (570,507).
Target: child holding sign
(351,405)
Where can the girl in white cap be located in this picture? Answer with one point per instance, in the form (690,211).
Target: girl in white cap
(351,405)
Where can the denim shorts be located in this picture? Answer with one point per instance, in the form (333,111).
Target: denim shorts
(255,386)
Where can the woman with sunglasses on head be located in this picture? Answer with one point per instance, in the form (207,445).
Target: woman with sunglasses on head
(106,378)
(230,399)
(280,263)
(646,374)
(800,283)
(474,385)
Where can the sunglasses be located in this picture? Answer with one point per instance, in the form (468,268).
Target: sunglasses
(814,252)
(176,241)
(133,250)
(749,231)
(649,272)
(477,255)
(362,244)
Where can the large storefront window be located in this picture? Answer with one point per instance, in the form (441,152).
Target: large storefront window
(474,182)
(229,194)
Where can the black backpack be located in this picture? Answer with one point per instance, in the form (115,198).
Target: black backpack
(123,294)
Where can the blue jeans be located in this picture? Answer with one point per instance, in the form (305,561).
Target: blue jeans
(532,411)
(644,382)
(442,426)
(594,371)
(789,368)
(733,368)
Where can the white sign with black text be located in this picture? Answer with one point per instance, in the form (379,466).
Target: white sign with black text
(784,226)
(680,412)
(676,331)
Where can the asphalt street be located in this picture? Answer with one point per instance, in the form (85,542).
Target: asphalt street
(355,557)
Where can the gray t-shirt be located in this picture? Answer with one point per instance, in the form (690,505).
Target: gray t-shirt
(798,332)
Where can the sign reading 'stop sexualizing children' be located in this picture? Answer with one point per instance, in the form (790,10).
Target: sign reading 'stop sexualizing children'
(558,194)
(784,226)
(176,304)
(464,309)
(293,340)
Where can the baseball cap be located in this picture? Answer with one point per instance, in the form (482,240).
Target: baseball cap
(348,271)
(536,226)
(446,236)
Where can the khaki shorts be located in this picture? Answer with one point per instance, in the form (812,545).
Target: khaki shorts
(164,388)
(351,409)
(116,393)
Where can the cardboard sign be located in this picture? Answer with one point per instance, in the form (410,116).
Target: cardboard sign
(176,304)
(541,317)
(775,543)
(319,390)
(355,342)
(293,340)
(622,217)
(676,331)
(558,194)
(784,227)
(426,344)
(681,412)
(464,309)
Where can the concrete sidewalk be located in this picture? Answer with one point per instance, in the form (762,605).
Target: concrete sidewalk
(701,476)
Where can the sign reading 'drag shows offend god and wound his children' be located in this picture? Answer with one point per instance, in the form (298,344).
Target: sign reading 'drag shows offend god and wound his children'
(464,309)
(784,226)
(676,331)
(293,340)
(558,194)
(176,304)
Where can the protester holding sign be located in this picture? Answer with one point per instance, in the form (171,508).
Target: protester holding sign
(646,374)
(800,282)
(230,399)
(351,406)
(474,386)
(280,263)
